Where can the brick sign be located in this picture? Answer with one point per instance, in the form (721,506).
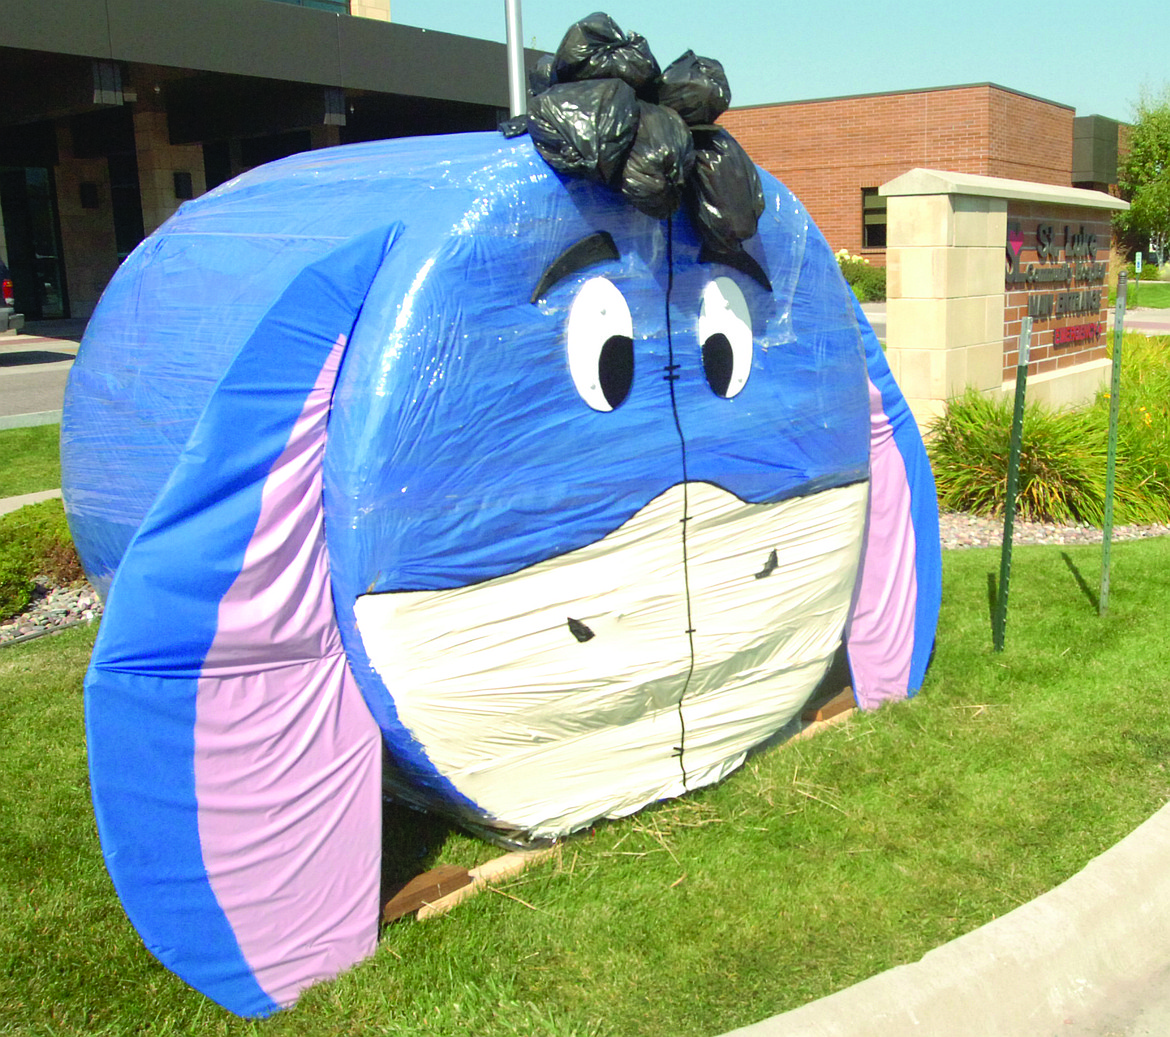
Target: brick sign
(1056,273)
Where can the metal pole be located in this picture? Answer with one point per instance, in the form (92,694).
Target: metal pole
(1111,463)
(999,620)
(517,87)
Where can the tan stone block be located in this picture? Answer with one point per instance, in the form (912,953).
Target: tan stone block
(996,306)
(379,9)
(919,220)
(894,273)
(915,272)
(979,221)
(985,270)
(916,323)
(984,365)
(926,373)
(966,322)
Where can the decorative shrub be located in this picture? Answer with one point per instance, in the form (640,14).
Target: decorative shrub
(34,541)
(1063,454)
(868,282)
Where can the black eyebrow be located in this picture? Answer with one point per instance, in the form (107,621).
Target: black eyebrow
(596,248)
(738,259)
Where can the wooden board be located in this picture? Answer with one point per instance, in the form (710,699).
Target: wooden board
(823,709)
(425,889)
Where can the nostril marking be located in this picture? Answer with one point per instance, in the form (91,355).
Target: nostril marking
(580,631)
(770,566)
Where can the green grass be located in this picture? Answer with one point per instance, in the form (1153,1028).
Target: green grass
(1155,294)
(31,460)
(817,864)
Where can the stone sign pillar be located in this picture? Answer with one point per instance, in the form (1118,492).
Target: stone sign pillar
(968,256)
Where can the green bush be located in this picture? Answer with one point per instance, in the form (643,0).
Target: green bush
(1063,454)
(1062,470)
(868,282)
(34,541)
(1143,428)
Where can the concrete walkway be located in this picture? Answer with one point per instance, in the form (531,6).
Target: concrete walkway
(8,504)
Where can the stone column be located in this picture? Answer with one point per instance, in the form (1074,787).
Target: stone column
(950,321)
(158,162)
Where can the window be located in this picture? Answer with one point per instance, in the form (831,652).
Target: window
(338,6)
(873,218)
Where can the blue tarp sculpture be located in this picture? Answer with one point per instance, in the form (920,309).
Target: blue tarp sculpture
(561,485)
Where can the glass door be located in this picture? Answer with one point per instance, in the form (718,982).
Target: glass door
(28,204)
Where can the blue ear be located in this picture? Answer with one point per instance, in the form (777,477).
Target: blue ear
(236,772)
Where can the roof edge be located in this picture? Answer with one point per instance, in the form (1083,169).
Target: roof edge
(895,93)
(940,181)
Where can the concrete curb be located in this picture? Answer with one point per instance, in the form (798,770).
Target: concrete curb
(44,417)
(8,504)
(1053,963)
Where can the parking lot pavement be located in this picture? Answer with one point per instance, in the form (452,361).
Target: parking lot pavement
(33,372)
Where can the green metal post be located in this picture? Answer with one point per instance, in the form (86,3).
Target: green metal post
(999,620)
(1111,463)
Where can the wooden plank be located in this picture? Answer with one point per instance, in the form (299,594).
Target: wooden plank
(425,889)
(824,709)
(493,871)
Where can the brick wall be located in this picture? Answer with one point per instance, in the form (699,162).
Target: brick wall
(826,152)
(1083,332)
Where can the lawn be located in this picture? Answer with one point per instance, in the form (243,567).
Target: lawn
(1148,293)
(817,864)
(31,460)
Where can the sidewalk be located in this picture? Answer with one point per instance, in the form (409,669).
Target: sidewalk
(8,504)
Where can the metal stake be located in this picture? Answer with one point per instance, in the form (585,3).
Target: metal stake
(999,620)
(1111,463)
(517,87)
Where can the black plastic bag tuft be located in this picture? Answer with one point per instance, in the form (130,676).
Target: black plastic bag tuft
(696,88)
(542,75)
(595,48)
(585,129)
(724,196)
(659,163)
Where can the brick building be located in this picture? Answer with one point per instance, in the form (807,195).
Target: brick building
(835,153)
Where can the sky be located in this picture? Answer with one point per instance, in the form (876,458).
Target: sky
(1067,51)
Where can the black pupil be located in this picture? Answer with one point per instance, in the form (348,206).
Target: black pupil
(718,363)
(615,368)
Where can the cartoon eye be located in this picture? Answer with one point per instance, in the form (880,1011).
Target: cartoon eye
(725,329)
(601,344)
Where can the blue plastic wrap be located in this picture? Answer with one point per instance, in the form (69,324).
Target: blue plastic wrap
(594,501)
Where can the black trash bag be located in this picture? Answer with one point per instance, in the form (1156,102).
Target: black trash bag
(542,75)
(696,88)
(517,126)
(585,129)
(724,196)
(659,163)
(595,48)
